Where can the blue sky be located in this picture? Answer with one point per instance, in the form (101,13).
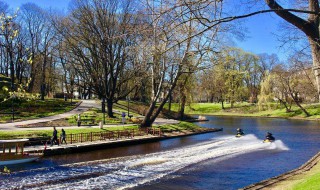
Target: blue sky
(56,4)
(261,35)
(260,27)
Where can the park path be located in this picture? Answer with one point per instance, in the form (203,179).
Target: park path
(84,106)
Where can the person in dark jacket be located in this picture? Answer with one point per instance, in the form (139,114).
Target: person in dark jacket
(63,136)
(269,136)
(240,131)
(79,120)
(54,138)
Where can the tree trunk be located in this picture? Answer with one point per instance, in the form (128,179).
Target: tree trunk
(302,108)
(33,70)
(315,49)
(285,105)
(109,108)
(10,53)
(182,106)
(43,76)
(152,112)
(221,99)
(170,101)
(232,103)
(147,121)
(296,100)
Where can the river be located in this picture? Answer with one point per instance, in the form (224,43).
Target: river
(208,161)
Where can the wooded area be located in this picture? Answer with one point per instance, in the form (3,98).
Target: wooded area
(155,52)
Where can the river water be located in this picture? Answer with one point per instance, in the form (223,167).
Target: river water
(208,161)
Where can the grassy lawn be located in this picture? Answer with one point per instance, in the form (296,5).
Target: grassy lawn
(179,127)
(25,110)
(97,115)
(48,132)
(250,110)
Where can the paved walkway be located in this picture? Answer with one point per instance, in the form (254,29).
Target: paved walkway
(84,106)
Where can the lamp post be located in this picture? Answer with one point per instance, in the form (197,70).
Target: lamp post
(128,99)
(12,105)
(103,108)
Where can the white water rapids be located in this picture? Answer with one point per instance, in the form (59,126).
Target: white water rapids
(127,172)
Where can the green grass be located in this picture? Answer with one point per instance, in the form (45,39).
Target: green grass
(48,132)
(250,110)
(311,182)
(97,114)
(25,110)
(205,108)
(306,180)
(179,127)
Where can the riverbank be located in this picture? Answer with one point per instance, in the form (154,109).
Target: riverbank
(306,176)
(262,116)
(252,110)
(112,142)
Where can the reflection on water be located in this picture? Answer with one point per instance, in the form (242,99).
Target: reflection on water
(127,172)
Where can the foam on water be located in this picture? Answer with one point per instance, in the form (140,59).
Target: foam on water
(131,171)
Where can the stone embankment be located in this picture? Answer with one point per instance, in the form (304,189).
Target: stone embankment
(108,143)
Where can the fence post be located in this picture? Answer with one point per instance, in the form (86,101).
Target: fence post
(91,136)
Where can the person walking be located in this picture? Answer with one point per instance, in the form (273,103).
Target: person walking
(63,136)
(54,137)
(123,115)
(79,120)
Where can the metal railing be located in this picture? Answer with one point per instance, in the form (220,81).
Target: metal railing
(110,135)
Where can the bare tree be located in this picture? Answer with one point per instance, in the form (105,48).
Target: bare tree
(174,32)
(99,36)
(33,22)
(309,26)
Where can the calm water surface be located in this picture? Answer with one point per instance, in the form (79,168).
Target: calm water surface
(208,161)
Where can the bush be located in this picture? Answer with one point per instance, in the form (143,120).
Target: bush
(135,120)
(4,87)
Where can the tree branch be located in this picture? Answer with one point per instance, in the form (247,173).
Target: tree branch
(303,25)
